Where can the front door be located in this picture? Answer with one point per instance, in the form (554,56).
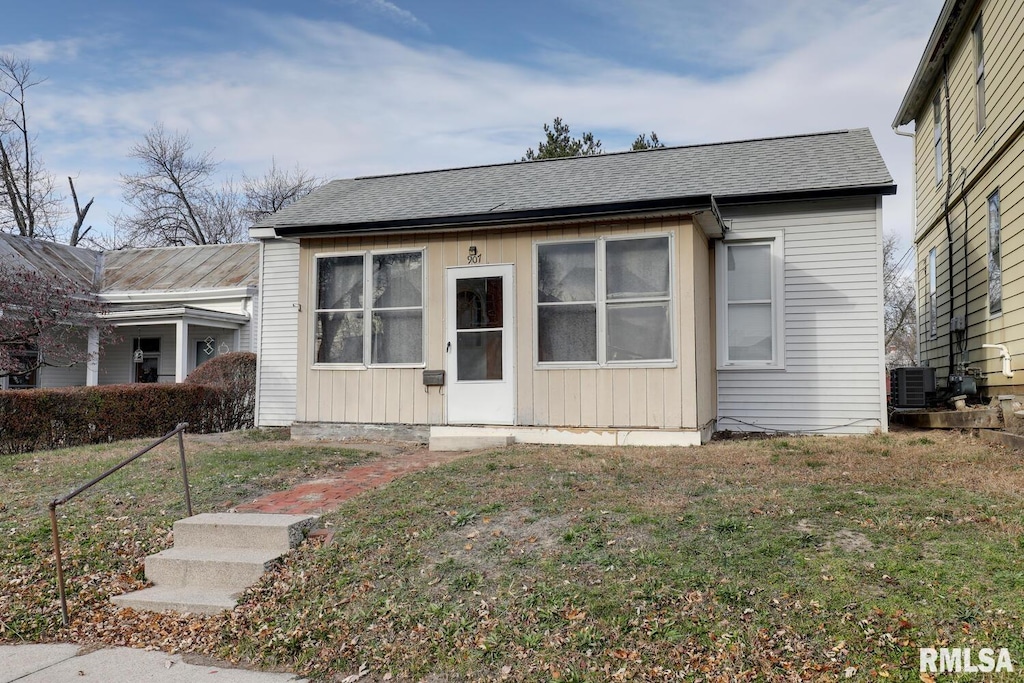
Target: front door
(480,345)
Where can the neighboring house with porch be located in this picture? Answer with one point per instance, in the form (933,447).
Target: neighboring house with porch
(966,100)
(171,308)
(648,297)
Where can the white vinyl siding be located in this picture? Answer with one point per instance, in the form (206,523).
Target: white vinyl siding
(833,376)
(278,311)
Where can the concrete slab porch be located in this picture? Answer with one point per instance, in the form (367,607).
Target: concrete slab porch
(452,438)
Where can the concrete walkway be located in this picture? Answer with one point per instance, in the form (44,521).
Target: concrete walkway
(59,663)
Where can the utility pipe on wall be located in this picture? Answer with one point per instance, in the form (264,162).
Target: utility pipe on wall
(1005,355)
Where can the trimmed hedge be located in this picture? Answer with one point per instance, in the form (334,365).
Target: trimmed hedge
(40,419)
(235,375)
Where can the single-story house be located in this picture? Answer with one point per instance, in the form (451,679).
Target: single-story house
(172,308)
(647,297)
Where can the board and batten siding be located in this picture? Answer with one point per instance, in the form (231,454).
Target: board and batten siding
(276,312)
(833,380)
(656,397)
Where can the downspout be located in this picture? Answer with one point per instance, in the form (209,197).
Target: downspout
(967,218)
(949,223)
(913,241)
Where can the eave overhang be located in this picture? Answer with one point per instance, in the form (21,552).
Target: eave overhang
(952,22)
(692,206)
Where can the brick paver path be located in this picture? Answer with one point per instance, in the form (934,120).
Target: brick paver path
(324,495)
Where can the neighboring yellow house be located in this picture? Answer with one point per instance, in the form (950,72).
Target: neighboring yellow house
(635,298)
(967,103)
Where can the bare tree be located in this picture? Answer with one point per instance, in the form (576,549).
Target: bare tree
(900,305)
(173,197)
(175,200)
(29,203)
(44,319)
(276,189)
(77,234)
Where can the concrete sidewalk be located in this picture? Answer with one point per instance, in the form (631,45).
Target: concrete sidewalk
(61,662)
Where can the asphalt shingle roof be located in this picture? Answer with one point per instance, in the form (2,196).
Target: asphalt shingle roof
(837,161)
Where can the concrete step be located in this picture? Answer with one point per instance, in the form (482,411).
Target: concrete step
(229,568)
(243,530)
(215,557)
(178,599)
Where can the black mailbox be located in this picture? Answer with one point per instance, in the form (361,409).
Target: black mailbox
(433,378)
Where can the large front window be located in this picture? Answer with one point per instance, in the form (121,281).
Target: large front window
(605,301)
(369,309)
(750,309)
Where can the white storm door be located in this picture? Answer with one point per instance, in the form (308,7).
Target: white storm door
(480,345)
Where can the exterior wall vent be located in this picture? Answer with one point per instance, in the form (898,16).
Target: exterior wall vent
(912,387)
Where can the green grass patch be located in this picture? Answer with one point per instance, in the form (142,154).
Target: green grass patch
(738,560)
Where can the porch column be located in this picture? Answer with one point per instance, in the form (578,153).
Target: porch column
(180,350)
(92,364)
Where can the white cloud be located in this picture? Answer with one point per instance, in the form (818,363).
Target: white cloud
(43,51)
(343,102)
(392,12)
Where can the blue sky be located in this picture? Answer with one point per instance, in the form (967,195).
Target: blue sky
(353,87)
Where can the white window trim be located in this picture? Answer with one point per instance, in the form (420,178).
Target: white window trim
(367,309)
(776,240)
(601,303)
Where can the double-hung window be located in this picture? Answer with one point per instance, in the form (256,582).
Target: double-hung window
(605,302)
(369,309)
(995,259)
(750,296)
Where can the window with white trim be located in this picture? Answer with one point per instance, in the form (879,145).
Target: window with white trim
(995,258)
(750,296)
(369,309)
(606,301)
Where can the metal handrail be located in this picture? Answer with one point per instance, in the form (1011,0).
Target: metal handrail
(63,499)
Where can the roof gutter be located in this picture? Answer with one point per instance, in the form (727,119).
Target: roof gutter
(510,218)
